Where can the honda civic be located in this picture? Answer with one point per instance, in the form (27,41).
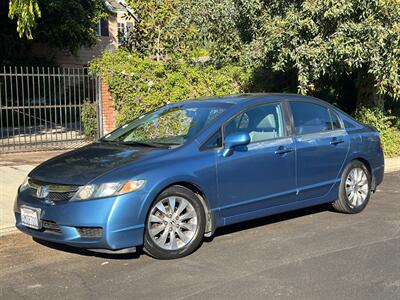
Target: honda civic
(172,176)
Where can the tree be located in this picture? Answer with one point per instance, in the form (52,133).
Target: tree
(223,27)
(59,24)
(328,38)
(192,27)
(155,33)
(26,12)
(69,24)
(330,45)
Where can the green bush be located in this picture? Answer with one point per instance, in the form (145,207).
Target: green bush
(89,119)
(386,125)
(139,84)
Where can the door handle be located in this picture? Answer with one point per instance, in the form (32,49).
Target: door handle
(283,150)
(335,142)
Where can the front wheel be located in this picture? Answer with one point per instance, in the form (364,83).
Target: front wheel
(355,188)
(175,224)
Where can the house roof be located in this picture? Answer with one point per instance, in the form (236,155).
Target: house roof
(114,6)
(120,6)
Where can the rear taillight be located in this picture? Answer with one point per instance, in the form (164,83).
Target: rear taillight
(380,142)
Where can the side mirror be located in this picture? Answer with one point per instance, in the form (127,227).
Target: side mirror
(233,140)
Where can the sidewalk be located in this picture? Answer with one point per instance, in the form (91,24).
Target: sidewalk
(13,170)
(15,167)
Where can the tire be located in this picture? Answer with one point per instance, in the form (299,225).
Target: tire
(355,178)
(170,235)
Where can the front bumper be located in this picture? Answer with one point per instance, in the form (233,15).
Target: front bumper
(115,220)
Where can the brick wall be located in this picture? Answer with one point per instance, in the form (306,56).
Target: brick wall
(107,109)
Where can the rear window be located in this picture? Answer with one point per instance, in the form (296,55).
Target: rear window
(336,124)
(310,118)
(349,123)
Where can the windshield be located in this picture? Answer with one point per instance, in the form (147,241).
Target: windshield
(168,126)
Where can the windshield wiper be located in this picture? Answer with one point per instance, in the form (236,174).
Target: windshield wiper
(152,145)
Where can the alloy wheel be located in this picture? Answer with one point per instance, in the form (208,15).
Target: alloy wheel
(357,187)
(172,223)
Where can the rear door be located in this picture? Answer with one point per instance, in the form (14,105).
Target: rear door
(262,174)
(322,145)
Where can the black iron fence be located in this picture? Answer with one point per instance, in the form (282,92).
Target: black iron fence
(41,107)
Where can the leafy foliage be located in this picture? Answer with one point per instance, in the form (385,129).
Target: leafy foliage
(191,28)
(385,124)
(345,51)
(58,23)
(159,31)
(223,27)
(140,85)
(26,12)
(320,40)
(328,38)
(89,119)
(69,24)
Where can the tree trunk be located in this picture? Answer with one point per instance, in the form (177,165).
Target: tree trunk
(367,93)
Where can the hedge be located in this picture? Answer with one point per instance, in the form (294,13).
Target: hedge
(139,84)
(386,125)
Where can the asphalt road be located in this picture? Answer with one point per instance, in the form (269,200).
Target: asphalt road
(309,254)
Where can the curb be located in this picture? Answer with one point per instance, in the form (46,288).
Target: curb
(392,164)
(8,230)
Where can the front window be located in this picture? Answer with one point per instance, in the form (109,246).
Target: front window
(168,126)
(98,29)
(102,28)
(121,32)
(262,123)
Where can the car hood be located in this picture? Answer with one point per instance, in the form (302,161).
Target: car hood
(80,166)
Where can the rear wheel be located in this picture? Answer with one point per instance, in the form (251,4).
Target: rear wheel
(355,188)
(175,224)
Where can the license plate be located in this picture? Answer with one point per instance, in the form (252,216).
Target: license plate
(30,217)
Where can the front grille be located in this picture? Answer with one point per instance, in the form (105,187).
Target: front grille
(50,226)
(90,232)
(55,192)
(55,196)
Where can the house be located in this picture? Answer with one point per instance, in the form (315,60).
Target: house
(110,33)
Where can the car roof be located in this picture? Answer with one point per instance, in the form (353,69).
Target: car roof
(241,98)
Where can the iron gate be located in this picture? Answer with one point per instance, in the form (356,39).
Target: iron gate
(41,107)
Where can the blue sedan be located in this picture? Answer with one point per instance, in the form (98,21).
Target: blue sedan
(172,176)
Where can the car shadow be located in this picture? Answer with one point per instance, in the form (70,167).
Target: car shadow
(269,220)
(219,232)
(84,252)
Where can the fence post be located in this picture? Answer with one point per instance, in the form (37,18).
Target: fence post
(107,110)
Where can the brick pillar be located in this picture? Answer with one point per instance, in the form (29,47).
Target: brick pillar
(108,112)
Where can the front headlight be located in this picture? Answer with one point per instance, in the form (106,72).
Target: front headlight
(24,185)
(92,191)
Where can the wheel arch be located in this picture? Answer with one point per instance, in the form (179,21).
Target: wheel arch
(367,164)
(358,156)
(210,218)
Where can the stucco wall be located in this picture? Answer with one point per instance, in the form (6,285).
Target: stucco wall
(84,55)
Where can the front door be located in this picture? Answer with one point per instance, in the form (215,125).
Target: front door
(262,174)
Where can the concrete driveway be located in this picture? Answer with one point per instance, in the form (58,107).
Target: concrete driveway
(13,170)
(308,254)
